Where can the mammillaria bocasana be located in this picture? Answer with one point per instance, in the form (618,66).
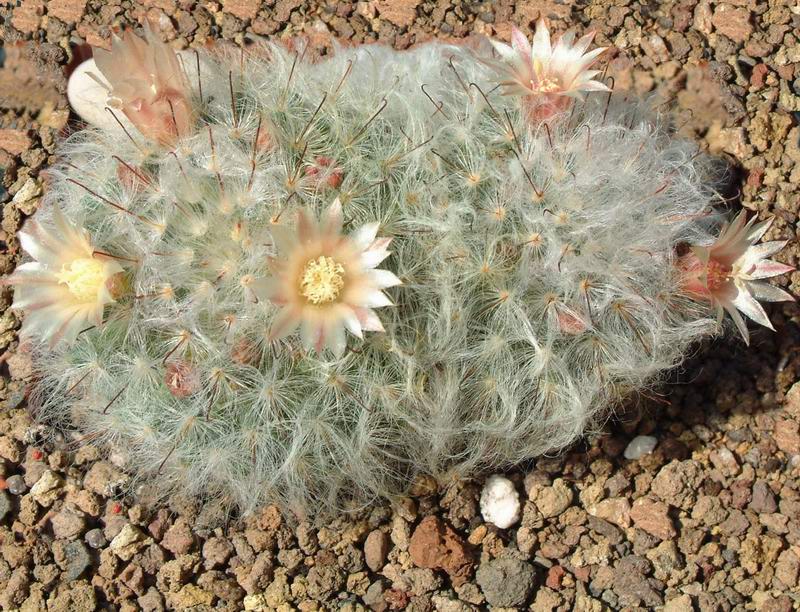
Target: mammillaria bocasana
(533,281)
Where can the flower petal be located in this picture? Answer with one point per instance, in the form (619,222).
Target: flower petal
(768,269)
(375,299)
(757,231)
(383,278)
(333,218)
(284,239)
(541,49)
(365,235)
(740,323)
(593,86)
(765,249)
(750,307)
(519,43)
(352,323)
(376,253)
(284,323)
(769,293)
(307,228)
(583,43)
(504,51)
(311,334)
(269,288)
(369,320)
(335,338)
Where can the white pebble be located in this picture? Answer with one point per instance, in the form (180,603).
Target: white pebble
(500,502)
(640,446)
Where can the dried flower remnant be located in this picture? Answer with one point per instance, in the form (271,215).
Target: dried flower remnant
(730,272)
(67,286)
(182,379)
(324,173)
(547,77)
(147,84)
(326,282)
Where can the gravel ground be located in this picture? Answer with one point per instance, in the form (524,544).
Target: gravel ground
(708,521)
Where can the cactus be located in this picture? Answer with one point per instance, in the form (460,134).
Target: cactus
(531,282)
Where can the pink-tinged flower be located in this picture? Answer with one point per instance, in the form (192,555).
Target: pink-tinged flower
(147,84)
(326,282)
(730,272)
(545,75)
(67,286)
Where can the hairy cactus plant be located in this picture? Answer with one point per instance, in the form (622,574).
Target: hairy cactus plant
(213,293)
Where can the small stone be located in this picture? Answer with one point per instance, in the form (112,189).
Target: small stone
(179,538)
(709,510)
(652,517)
(152,601)
(681,603)
(172,575)
(128,542)
(260,574)
(324,580)
(190,596)
(68,11)
(5,505)
(792,403)
(500,502)
(677,483)
(216,552)
(77,560)
(639,447)
(787,436)
(256,603)
(506,582)
(16,485)
(242,9)
(47,489)
(787,569)
(631,584)
(69,523)
(373,598)
(401,13)
(159,525)
(606,529)
(763,500)
(10,450)
(25,200)
(15,142)
(552,501)
(376,548)
(103,478)
(133,577)
(733,22)
(615,510)
(554,576)
(435,545)
(95,538)
(77,597)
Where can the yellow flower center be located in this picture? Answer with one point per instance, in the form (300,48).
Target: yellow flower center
(546,85)
(83,277)
(716,275)
(322,280)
